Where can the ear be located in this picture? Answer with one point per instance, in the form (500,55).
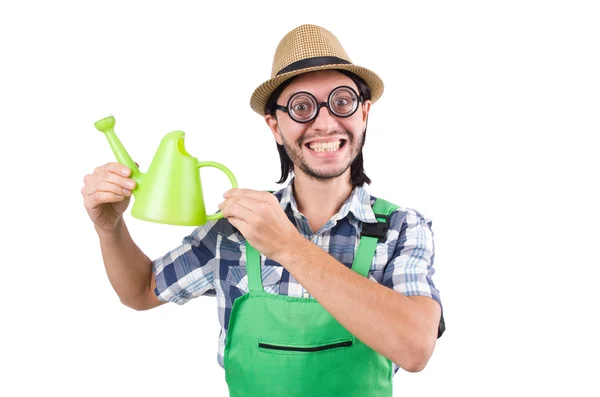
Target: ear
(366,109)
(274,127)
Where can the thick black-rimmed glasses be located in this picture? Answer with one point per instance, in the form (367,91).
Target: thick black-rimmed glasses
(303,107)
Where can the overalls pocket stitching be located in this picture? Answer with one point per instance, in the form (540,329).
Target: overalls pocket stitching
(291,347)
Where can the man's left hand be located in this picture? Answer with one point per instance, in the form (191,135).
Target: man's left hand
(261,220)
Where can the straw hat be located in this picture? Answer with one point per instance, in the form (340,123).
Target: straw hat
(305,49)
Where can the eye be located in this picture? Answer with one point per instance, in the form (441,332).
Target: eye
(300,107)
(341,102)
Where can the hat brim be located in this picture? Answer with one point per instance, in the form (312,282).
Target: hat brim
(261,95)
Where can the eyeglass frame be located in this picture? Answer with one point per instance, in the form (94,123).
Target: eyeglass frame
(286,108)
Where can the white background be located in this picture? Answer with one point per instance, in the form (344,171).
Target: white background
(488,125)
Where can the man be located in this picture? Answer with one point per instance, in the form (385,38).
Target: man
(322,289)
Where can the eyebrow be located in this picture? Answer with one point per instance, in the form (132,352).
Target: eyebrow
(350,84)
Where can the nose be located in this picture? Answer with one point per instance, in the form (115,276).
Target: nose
(324,121)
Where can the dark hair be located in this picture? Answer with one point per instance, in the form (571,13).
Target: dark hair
(357,171)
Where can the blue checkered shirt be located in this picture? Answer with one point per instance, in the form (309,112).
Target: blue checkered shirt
(211,261)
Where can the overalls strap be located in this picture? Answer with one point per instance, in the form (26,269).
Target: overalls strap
(371,234)
(253,268)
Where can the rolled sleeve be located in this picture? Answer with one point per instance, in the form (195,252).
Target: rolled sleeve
(188,271)
(410,269)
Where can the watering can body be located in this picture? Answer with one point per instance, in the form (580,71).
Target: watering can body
(170,192)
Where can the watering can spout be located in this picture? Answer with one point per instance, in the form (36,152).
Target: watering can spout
(106,125)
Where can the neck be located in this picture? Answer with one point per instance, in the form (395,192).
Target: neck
(320,200)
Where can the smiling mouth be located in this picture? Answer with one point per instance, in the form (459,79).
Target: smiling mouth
(325,147)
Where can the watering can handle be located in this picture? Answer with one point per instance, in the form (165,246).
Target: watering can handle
(227,172)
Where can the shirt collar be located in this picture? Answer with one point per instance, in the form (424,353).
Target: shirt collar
(358,203)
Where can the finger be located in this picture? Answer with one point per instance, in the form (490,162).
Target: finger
(255,194)
(114,167)
(94,180)
(239,224)
(259,208)
(94,184)
(108,187)
(247,202)
(241,209)
(98,198)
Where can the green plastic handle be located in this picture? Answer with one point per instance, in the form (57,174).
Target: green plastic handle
(227,172)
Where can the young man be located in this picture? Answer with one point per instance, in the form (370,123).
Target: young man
(322,289)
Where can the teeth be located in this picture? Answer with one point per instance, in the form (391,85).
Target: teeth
(325,147)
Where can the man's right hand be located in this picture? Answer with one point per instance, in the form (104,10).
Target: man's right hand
(106,194)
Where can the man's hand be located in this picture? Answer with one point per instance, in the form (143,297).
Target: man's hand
(106,194)
(261,220)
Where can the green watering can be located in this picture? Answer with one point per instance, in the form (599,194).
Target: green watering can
(170,192)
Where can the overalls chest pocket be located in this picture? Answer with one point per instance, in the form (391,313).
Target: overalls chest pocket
(237,276)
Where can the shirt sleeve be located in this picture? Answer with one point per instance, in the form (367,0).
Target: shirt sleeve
(187,271)
(410,270)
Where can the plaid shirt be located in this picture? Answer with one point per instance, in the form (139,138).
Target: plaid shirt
(211,261)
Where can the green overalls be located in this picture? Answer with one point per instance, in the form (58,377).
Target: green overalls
(286,346)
